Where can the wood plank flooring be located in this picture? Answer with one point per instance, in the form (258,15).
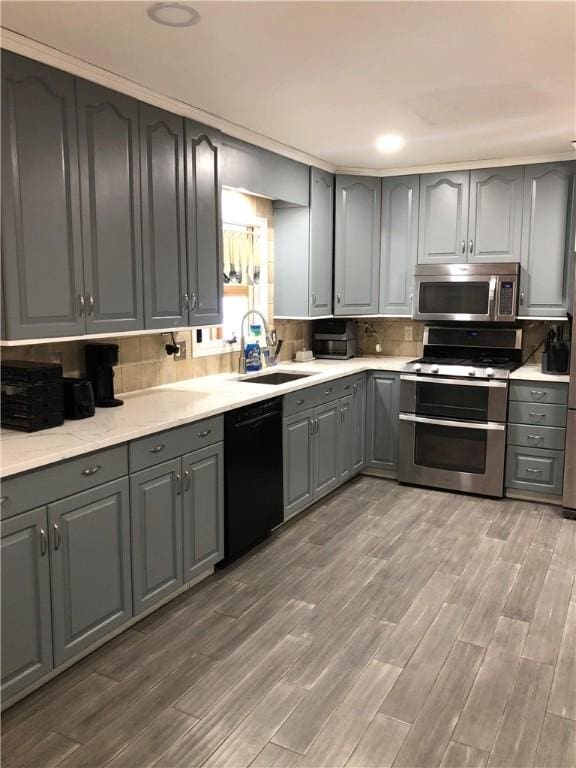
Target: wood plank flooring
(387,627)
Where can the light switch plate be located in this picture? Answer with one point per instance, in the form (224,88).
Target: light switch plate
(181,354)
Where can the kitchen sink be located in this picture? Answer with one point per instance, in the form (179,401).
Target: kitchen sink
(277,377)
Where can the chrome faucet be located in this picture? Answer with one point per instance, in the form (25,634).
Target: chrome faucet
(272,355)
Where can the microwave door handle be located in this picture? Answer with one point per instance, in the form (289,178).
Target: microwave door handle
(492,299)
(488,426)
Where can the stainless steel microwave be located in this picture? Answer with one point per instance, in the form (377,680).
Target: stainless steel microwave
(466,292)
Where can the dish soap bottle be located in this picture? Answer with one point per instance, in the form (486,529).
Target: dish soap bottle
(252,351)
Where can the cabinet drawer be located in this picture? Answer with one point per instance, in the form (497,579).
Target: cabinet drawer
(537,437)
(539,392)
(171,443)
(41,486)
(299,401)
(535,469)
(537,414)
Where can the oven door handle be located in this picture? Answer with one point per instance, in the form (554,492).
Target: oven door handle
(458,382)
(488,426)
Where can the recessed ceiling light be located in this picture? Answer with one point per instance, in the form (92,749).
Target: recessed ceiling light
(174,14)
(391,142)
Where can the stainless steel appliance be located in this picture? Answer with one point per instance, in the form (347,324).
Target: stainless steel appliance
(474,293)
(569,499)
(453,406)
(334,339)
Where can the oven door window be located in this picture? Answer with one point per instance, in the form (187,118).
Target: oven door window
(454,298)
(464,402)
(455,449)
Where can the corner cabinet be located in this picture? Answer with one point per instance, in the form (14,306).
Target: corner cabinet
(42,269)
(547,262)
(357,245)
(399,250)
(383,409)
(321,241)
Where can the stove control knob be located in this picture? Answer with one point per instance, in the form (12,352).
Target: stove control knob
(417,367)
(490,372)
(434,369)
(471,371)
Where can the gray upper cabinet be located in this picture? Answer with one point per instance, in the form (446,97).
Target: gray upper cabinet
(166,295)
(156,528)
(110,195)
(41,231)
(383,408)
(547,240)
(321,241)
(204,224)
(326,470)
(90,566)
(357,245)
(203,509)
(26,616)
(495,224)
(443,225)
(298,457)
(399,251)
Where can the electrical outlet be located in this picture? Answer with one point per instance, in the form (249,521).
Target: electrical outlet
(181,354)
(408,333)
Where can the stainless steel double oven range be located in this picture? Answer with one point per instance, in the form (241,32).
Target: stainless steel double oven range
(453,404)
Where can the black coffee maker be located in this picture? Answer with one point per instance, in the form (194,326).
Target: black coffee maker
(100,361)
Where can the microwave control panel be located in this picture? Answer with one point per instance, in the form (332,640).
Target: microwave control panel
(506,298)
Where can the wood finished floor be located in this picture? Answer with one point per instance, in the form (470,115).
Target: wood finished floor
(390,626)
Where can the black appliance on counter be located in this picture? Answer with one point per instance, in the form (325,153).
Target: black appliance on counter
(254,494)
(453,407)
(78,398)
(100,362)
(334,339)
(32,396)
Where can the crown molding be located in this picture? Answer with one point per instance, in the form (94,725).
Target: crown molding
(26,46)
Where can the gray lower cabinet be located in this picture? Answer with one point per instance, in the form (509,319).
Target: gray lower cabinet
(110,196)
(326,471)
(345,437)
(204,224)
(156,528)
(443,217)
(90,566)
(298,457)
(163,218)
(495,223)
(383,408)
(535,469)
(547,261)
(203,509)
(357,245)
(399,248)
(26,614)
(359,424)
(42,271)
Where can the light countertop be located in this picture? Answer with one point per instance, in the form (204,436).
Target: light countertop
(165,407)
(534,373)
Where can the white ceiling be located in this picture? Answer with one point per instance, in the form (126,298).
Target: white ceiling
(461,81)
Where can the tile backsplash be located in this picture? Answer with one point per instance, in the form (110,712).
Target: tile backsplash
(399,337)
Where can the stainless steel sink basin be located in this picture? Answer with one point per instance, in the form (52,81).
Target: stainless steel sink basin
(278,377)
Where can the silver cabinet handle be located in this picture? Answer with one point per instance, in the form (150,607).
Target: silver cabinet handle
(185,302)
(178,479)
(538,394)
(463,246)
(193,301)
(338,297)
(90,304)
(312,428)
(328,391)
(471,246)
(536,438)
(3,499)
(91,470)
(299,402)
(313,299)
(537,416)
(186,481)
(43,542)
(82,302)
(342,415)
(205,433)
(355,387)
(347,386)
(317,426)
(158,448)
(522,298)
(57,540)
(534,471)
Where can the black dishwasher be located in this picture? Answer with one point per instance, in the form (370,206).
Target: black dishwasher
(254,497)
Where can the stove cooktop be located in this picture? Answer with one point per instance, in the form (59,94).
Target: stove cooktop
(482,367)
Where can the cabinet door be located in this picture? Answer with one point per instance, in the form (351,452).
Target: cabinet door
(357,245)
(383,408)
(204,226)
(321,241)
(110,187)
(41,233)
(298,458)
(26,614)
(90,566)
(547,240)
(495,227)
(156,528)
(326,474)
(400,196)
(345,437)
(359,425)
(443,225)
(203,509)
(163,218)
